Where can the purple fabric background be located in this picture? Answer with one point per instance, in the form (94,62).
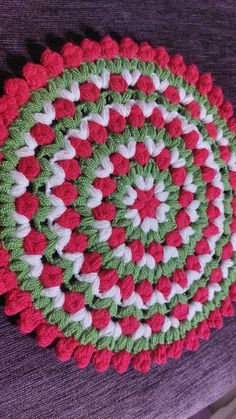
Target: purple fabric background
(32,383)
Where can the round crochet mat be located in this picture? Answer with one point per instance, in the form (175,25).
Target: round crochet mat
(118,204)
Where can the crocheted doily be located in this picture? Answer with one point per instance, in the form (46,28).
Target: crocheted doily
(118,204)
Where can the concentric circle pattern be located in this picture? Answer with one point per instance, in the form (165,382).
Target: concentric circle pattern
(118,206)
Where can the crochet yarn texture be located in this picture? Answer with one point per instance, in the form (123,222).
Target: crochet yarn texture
(118,204)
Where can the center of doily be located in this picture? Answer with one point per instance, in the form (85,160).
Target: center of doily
(145,203)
